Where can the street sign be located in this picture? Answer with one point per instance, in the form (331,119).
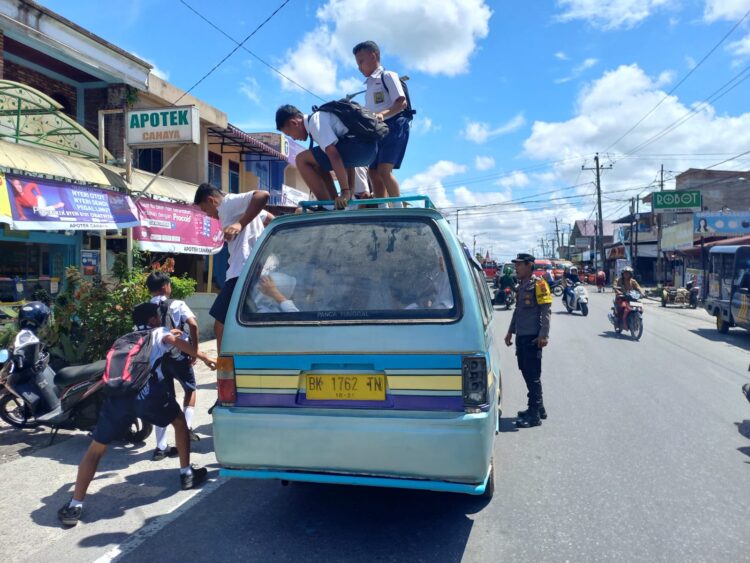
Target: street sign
(583,242)
(686,200)
(163,126)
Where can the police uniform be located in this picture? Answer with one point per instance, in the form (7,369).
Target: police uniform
(531,320)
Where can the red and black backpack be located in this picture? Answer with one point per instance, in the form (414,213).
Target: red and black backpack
(129,363)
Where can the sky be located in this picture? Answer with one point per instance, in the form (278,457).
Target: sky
(513,97)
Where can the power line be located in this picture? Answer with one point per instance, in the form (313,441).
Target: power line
(232,52)
(233,40)
(692,70)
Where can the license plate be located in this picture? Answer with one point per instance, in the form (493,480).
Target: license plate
(345,387)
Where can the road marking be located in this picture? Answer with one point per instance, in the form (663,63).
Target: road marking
(139,537)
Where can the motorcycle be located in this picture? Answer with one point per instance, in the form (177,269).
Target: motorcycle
(688,295)
(506,296)
(556,287)
(577,299)
(37,396)
(631,317)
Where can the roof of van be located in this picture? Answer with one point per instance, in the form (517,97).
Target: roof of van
(726,249)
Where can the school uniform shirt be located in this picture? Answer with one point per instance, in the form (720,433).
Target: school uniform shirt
(325,128)
(377,98)
(180,314)
(159,349)
(230,210)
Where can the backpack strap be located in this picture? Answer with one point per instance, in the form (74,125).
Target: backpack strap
(315,109)
(164,306)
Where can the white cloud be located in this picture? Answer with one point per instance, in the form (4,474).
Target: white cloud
(516,179)
(423,125)
(725,10)
(740,48)
(251,89)
(607,108)
(351,86)
(610,14)
(437,38)
(163,74)
(690,62)
(578,70)
(430,182)
(561,56)
(484,163)
(480,132)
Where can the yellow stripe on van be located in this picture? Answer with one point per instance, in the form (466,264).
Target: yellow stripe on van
(268,381)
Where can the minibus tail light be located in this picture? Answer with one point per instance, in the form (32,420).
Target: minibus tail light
(225,381)
(474,380)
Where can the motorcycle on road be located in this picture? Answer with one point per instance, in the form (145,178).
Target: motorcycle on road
(556,287)
(34,395)
(631,317)
(577,299)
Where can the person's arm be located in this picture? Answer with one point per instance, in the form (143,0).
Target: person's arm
(341,174)
(399,104)
(545,315)
(268,287)
(268,218)
(193,331)
(257,202)
(188,348)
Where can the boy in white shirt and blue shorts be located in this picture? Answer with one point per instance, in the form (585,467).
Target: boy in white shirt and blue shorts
(337,151)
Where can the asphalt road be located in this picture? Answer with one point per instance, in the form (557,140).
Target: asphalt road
(645,457)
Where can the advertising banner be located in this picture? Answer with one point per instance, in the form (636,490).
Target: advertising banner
(708,223)
(677,237)
(683,200)
(178,228)
(163,126)
(47,205)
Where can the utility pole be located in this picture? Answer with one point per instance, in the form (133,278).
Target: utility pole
(599,248)
(632,224)
(637,221)
(557,235)
(659,222)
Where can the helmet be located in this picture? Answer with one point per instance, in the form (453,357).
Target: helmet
(628,269)
(573,270)
(33,316)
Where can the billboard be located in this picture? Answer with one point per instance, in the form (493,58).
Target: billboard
(178,228)
(32,204)
(710,223)
(683,200)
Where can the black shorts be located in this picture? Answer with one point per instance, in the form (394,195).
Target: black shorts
(155,403)
(181,369)
(221,304)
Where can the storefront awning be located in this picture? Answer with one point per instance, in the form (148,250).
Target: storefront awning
(234,140)
(163,187)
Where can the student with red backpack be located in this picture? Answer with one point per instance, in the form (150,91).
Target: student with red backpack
(175,316)
(136,387)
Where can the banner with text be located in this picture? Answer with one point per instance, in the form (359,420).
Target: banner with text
(708,223)
(178,228)
(47,205)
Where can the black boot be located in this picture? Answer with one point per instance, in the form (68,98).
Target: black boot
(542,413)
(532,418)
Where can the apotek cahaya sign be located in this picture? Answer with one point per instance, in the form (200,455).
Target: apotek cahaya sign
(687,200)
(163,126)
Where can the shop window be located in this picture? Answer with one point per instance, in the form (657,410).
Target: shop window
(214,169)
(150,160)
(234,177)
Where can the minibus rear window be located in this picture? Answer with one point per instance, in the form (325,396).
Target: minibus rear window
(355,270)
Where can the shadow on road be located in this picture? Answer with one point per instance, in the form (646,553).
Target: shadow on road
(612,334)
(508,424)
(739,338)
(744,429)
(310,522)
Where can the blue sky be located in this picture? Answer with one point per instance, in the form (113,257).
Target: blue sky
(513,97)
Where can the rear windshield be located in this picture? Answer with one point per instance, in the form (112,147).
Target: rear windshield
(355,270)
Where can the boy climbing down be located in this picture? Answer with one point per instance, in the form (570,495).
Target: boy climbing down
(154,403)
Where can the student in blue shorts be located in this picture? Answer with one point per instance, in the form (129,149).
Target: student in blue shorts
(154,403)
(386,98)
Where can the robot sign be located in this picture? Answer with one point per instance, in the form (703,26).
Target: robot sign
(665,202)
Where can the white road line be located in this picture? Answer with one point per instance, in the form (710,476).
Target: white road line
(139,537)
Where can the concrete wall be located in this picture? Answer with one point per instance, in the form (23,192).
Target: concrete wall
(200,304)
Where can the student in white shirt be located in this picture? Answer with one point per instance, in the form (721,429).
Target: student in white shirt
(337,151)
(386,98)
(242,218)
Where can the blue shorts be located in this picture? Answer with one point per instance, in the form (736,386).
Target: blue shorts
(155,403)
(353,152)
(391,150)
(221,303)
(180,369)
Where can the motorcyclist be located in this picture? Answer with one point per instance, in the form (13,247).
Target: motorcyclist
(601,280)
(506,280)
(622,286)
(569,280)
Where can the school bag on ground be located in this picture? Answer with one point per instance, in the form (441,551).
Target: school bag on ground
(360,121)
(128,366)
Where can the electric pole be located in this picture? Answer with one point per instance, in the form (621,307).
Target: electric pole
(557,235)
(659,223)
(599,248)
(632,223)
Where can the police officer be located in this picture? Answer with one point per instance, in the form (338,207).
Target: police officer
(530,324)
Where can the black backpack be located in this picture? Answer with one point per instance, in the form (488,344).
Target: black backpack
(360,121)
(409,112)
(128,365)
(166,319)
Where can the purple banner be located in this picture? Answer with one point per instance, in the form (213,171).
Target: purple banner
(47,205)
(178,228)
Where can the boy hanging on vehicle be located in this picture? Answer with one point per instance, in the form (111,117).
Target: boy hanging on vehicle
(144,394)
(340,148)
(387,97)
(176,316)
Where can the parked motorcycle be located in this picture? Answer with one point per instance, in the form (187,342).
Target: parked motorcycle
(556,287)
(631,318)
(71,398)
(577,299)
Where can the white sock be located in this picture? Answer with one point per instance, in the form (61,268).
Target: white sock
(397,204)
(189,416)
(382,206)
(186,470)
(161,437)
(74,503)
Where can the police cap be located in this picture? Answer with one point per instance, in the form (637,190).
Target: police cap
(522,257)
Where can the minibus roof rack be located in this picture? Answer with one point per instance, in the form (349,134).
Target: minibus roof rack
(355,203)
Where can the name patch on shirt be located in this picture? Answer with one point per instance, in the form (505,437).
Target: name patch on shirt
(379,97)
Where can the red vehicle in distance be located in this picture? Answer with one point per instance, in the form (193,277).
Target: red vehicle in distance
(541,265)
(490,269)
